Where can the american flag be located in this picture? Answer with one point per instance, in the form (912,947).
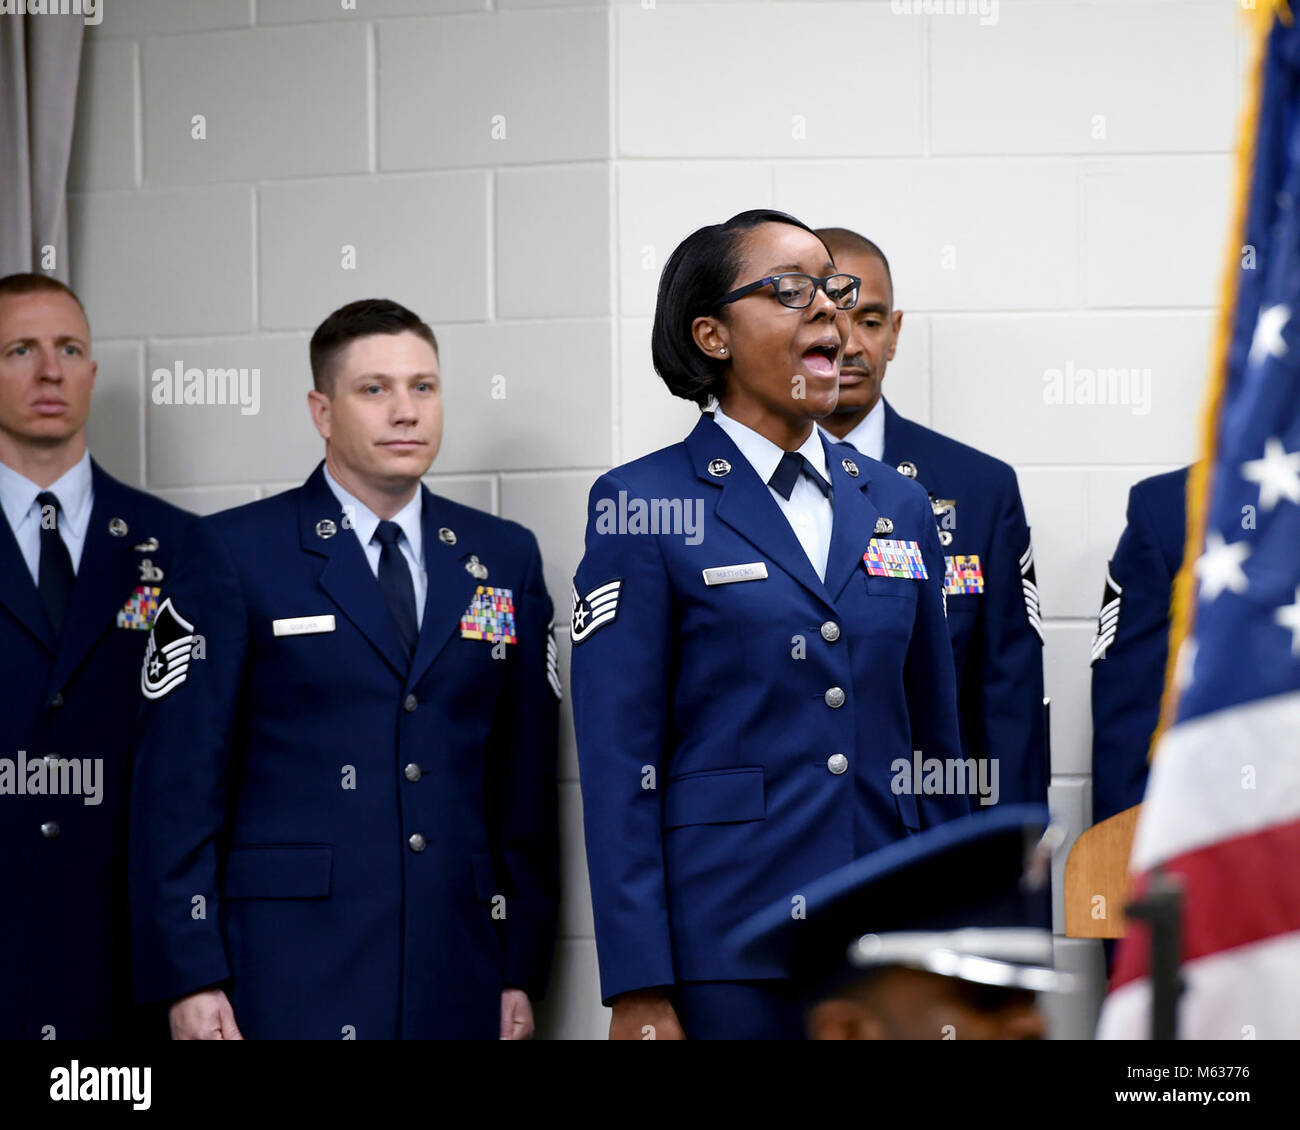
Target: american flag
(1222,809)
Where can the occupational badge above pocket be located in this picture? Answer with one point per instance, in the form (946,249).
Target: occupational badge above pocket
(490,616)
(140,609)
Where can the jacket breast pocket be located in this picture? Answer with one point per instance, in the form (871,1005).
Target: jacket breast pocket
(715,796)
(901,587)
(278,871)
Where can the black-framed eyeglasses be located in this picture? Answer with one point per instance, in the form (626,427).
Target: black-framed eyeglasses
(797,290)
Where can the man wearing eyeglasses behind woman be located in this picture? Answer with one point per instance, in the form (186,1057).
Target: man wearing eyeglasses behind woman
(749,692)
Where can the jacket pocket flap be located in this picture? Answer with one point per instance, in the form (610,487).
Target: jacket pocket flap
(719,796)
(279,872)
(908,812)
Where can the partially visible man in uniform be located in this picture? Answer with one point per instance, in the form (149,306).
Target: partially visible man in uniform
(344,820)
(1132,642)
(84,560)
(943,935)
(991,589)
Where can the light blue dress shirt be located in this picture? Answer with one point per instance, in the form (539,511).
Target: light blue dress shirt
(75,492)
(808,511)
(869,435)
(365,521)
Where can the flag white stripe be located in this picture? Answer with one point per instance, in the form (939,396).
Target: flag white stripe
(1198,794)
(1246,991)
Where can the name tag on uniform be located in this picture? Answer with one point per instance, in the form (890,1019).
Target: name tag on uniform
(888,557)
(730,574)
(302,625)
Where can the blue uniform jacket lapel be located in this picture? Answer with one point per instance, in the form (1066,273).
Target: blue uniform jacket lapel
(106,577)
(19,593)
(346,576)
(855,516)
(900,444)
(451,585)
(747,506)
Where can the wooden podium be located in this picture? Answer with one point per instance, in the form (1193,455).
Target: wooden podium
(1097,868)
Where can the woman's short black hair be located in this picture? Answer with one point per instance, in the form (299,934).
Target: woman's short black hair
(697,274)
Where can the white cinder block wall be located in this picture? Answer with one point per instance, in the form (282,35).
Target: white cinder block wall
(1050,180)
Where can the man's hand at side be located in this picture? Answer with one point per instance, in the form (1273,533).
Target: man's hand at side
(204,1015)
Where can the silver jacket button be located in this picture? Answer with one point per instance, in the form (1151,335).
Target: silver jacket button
(830,631)
(834,698)
(412,772)
(50,829)
(837,763)
(417,842)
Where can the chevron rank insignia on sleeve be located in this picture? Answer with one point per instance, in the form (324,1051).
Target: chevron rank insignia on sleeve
(598,608)
(1029,583)
(553,662)
(1107,618)
(167,655)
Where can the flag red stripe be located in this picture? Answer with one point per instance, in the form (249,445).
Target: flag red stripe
(1237,891)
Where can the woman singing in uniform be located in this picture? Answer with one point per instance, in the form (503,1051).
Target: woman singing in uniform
(755,692)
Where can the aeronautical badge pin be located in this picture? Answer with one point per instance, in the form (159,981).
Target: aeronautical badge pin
(850,467)
(884,526)
(149,545)
(908,468)
(117,527)
(149,571)
(719,467)
(476,569)
(945,537)
(446,536)
(325,528)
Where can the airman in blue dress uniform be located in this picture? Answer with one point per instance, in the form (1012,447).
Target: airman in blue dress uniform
(751,690)
(86,561)
(994,614)
(1131,647)
(344,804)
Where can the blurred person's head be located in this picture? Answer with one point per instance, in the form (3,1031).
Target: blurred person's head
(901,1003)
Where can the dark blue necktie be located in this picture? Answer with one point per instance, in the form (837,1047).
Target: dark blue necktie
(396,585)
(792,465)
(55,576)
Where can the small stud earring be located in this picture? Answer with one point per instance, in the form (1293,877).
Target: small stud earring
(722,351)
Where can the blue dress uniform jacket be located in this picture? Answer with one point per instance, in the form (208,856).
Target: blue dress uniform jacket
(1132,641)
(997,639)
(355,844)
(65,941)
(738,739)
